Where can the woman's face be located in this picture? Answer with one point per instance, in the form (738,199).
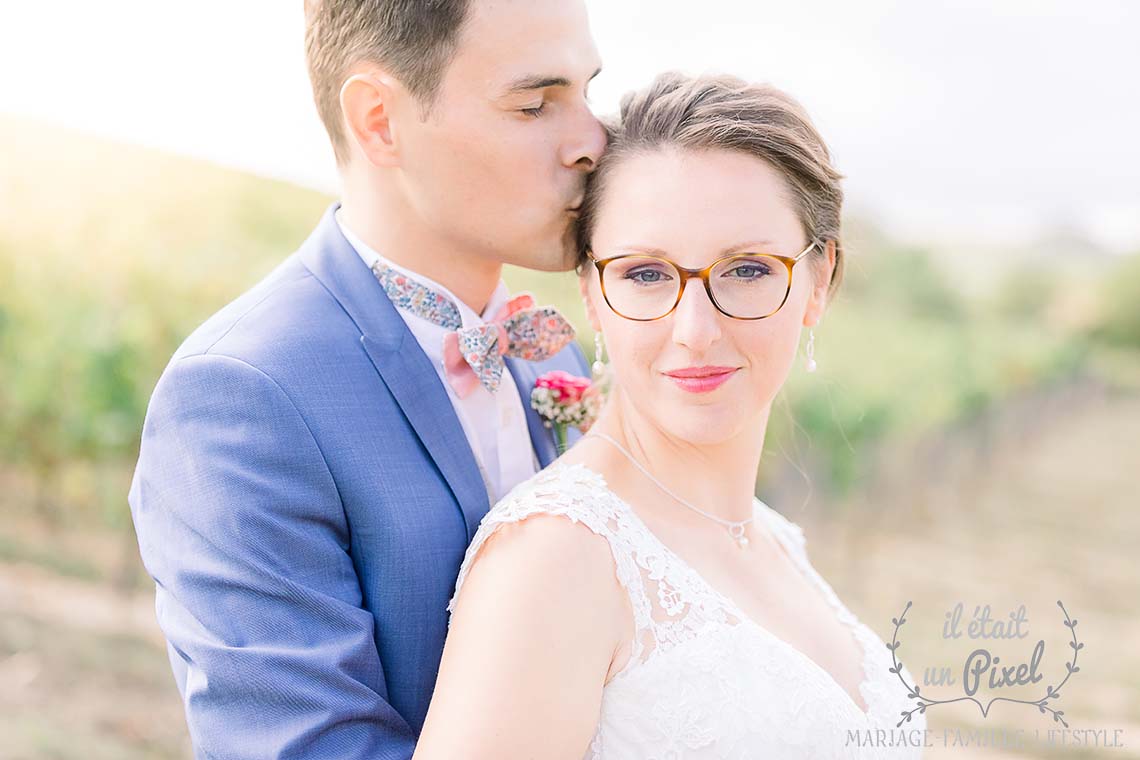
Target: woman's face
(694,207)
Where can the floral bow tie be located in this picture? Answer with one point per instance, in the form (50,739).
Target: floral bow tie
(474,355)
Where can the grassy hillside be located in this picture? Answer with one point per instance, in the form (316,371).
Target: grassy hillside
(112,254)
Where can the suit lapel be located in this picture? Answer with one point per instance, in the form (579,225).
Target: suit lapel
(541,437)
(414,384)
(403,366)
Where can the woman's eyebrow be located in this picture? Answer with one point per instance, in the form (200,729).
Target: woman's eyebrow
(751,244)
(643,249)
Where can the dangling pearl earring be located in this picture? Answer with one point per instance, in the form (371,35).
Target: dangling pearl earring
(599,367)
(810,351)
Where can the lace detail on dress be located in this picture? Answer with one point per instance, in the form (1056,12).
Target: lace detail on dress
(671,603)
(571,493)
(703,681)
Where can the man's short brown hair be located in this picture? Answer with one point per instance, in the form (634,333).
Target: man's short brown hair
(414,40)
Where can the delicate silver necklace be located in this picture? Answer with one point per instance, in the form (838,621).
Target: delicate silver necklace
(735,528)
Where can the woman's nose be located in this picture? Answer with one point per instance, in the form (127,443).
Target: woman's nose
(696,321)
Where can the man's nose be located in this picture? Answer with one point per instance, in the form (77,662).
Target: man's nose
(589,142)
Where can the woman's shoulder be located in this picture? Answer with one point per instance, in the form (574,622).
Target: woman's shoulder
(557,523)
(564,488)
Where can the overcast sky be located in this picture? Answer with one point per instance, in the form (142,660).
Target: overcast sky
(973,119)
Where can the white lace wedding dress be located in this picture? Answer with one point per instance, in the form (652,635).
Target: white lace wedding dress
(704,681)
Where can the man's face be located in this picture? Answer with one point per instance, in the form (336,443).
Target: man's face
(502,158)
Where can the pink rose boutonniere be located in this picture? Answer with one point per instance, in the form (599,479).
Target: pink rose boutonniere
(562,400)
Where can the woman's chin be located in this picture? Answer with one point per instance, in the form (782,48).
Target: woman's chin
(705,425)
(706,419)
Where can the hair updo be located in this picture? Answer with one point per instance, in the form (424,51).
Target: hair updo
(727,113)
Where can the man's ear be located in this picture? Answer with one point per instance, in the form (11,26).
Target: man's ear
(817,301)
(587,301)
(367,103)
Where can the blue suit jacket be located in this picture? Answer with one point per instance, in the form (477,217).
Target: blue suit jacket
(303,499)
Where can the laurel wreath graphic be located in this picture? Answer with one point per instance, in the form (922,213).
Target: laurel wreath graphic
(1042,704)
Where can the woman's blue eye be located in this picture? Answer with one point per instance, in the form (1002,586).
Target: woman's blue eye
(749,271)
(646,276)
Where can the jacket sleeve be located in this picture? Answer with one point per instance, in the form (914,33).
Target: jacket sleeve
(240,524)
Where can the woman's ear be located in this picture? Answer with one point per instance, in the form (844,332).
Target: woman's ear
(367,102)
(817,301)
(584,281)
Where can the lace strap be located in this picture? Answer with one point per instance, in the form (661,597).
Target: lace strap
(794,536)
(575,493)
(789,530)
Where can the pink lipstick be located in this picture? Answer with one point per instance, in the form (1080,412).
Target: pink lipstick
(700,379)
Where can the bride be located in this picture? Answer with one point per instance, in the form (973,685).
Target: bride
(634,599)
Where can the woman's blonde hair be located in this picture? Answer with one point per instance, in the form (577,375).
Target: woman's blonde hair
(727,113)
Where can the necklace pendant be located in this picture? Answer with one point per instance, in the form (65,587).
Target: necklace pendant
(742,542)
(737,533)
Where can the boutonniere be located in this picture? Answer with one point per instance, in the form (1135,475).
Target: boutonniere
(564,400)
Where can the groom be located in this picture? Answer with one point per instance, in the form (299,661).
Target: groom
(317,456)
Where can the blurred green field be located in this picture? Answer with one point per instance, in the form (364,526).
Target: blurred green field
(111,254)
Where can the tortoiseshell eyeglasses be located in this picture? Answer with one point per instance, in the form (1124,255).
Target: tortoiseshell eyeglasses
(643,287)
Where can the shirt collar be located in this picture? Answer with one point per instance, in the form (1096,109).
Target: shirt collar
(499,298)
